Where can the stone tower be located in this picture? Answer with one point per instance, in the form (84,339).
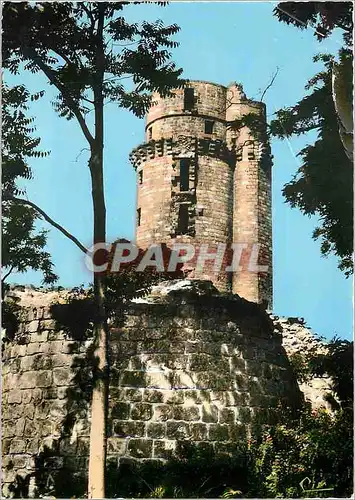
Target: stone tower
(200,182)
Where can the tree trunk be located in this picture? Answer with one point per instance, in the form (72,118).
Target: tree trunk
(98,435)
(98,430)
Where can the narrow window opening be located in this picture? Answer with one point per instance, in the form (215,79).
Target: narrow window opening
(183,220)
(189,99)
(140,177)
(209,127)
(184,174)
(138,217)
(150,133)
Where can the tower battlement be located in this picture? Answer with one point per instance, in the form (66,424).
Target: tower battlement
(201,182)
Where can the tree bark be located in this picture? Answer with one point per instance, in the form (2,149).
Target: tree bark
(98,430)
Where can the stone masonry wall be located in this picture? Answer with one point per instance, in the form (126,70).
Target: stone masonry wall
(297,338)
(189,364)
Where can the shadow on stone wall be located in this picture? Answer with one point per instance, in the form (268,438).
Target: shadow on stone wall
(190,368)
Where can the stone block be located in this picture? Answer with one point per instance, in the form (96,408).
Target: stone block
(20,426)
(52,347)
(158,380)
(33,348)
(14,365)
(47,324)
(63,376)
(211,348)
(209,412)
(218,381)
(39,336)
(163,413)
(241,382)
(226,416)
(244,415)
(60,359)
(32,326)
(116,446)
(126,394)
(198,431)
(62,392)
(164,449)
(153,396)
(50,393)
(33,446)
(69,347)
(44,379)
(182,412)
(41,362)
(238,363)
(136,363)
(46,428)
(174,396)
(26,396)
(200,362)
(82,446)
(133,378)
(5,447)
(140,448)
(37,394)
(141,411)
(218,432)
(15,396)
(19,461)
(177,362)
(156,430)
(18,446)
(120,410)
(28,380)
(58,409)
(182,380)
(177,430)
(8,430)
(196,397)
(237,432)
(29,411)
(127,428)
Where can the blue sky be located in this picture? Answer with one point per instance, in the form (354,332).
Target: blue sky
(219,42)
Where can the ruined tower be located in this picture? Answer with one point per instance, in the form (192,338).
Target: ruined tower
(200,181)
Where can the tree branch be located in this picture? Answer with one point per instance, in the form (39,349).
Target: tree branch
(47,218)
(69,100)
(7,274)
(270,84)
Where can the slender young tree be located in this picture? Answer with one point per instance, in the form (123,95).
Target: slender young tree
(93,56)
